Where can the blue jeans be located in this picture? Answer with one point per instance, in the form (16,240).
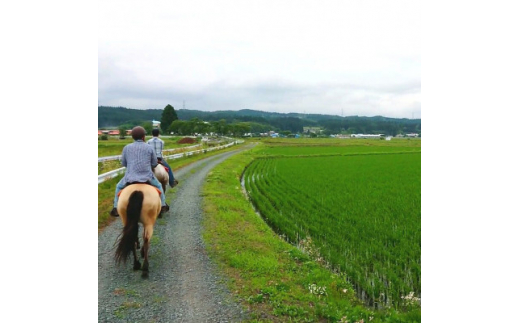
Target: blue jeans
(170,173)
(154,182)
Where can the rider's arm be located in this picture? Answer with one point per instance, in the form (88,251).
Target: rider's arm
(123,158)
(154,159)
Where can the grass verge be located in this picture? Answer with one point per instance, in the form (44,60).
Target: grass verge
(274,280)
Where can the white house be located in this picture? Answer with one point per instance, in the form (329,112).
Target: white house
(367,136)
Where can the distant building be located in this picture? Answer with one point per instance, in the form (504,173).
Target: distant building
(366,136)
(156,124)
(312,130)
(109,132)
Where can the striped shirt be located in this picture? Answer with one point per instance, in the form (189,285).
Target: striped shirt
(158,146)
(138,158)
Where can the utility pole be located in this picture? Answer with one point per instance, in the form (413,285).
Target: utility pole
(183,104)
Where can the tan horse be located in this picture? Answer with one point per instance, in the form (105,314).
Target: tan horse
(138,203)
(162,176)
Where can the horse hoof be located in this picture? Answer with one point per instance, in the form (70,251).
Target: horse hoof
(144,274)
(137,265)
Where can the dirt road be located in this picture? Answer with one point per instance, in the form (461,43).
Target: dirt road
(183,285)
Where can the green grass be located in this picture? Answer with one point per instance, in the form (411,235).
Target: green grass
(275,280)
(106,193)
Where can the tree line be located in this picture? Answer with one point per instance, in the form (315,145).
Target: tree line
(188,122)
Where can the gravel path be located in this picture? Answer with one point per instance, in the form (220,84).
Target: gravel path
(183,285)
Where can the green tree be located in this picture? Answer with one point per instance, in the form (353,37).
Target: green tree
(178,127)
(148,127)
(122,132)
(239,129)
(168,116)
(220,127)
(204,127)
(285,132)
(197,126)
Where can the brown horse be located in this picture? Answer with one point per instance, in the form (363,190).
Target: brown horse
(162,176)
(138,203)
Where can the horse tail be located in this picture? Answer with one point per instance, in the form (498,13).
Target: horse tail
(131,229)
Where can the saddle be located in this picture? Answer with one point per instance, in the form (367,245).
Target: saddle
(128,184)
(159,161)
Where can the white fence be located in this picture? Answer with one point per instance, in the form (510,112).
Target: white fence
(118,157)
(115,172)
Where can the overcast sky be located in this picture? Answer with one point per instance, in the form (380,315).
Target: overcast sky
(356,57)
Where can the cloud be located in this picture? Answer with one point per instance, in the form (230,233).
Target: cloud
(333,57)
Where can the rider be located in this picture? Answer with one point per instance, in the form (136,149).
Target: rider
(158,146)
(139,160)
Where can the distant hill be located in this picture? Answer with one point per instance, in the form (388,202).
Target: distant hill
(112,117)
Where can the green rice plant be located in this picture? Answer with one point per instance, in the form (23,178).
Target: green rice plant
(362,211)
(336,150)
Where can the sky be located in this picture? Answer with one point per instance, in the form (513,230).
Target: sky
(357,57)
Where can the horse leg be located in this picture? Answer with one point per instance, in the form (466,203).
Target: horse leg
(164,191)
(137,264)
(147,235)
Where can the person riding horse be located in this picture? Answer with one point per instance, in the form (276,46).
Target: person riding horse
(139,159)
(158,146)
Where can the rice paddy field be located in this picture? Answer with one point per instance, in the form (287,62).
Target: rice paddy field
(358,201)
